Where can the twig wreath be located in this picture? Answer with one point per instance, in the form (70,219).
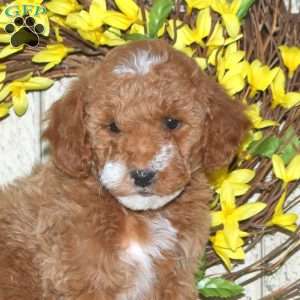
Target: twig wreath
(248,46)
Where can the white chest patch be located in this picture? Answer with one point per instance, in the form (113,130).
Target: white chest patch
(142,257)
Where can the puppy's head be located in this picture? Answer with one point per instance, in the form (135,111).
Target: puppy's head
(145,119)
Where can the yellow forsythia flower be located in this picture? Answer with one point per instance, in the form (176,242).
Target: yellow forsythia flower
(202,62)
(199,4)
(203,26)
(184,34)
(228,11)
(58,36)
(58,20)
(230,215)
(2,72)
(18,89)
(280,97)
(291,58)
(224,252)
(281,219)
(233,79)
(289,173)
(233,56)
(9,50)
(112,37)
(216,39)
(63,7)
(130,14)
(22,2)
(260,76)
(4,109)
(231,70)
(52,55)
(238,180)
(88,23)
(5,38)
(253,114)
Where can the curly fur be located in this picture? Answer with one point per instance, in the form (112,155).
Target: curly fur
(65,235)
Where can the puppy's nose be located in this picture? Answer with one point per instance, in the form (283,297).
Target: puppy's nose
(142,178)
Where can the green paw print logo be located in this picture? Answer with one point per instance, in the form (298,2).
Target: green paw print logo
(24,31)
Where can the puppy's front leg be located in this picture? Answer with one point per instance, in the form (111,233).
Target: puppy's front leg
(177,280)
(181,287)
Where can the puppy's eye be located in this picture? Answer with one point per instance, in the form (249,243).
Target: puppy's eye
(113,127)
(171,123)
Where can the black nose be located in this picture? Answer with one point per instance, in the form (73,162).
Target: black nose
(142,177)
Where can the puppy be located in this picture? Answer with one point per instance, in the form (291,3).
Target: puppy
(120,212)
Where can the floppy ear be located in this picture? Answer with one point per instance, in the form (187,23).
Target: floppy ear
(67,134)
(225,125)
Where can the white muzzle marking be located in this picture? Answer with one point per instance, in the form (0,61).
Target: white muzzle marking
(113,174)
(140,202)
(162,159)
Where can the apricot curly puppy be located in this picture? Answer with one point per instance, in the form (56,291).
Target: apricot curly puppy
(120,212)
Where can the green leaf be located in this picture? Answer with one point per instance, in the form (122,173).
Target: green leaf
(135,37)
(287,147)
(265,147)
(244,8)
(158,15)
(219,287)
(289,134)
(290,145)
(288,154)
